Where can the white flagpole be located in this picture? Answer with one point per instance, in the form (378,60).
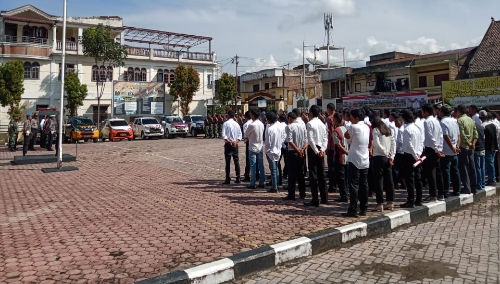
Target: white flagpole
(61,107)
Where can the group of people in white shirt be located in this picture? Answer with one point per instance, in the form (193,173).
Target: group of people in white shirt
(368,152)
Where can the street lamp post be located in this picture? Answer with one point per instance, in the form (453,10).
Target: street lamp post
(304,67)
(61,106)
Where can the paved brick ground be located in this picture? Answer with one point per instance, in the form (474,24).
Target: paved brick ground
(137,209)
(461,248)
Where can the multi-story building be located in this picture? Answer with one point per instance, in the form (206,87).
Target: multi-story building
(281,89)
(141,87)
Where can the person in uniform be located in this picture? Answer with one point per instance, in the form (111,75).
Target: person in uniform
(51,131)
(214,126)
(34,131)
(220,121)
(13,132)
(207,126)
(27,133)
(43,137)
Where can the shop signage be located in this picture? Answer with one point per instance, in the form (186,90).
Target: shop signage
(393,101)
(478,91)
(138,98)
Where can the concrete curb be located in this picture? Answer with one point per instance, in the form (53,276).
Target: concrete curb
(268,257)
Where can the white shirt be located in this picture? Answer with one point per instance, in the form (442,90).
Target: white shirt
(420,124)
(497,125)
(449,125)
(296,132)
(301,121)
(386,121)
(231,130)
(399,140)
(42,123)
(412,141)
(383,145)
(254,134)
(347,125)
(283,128)
(317,135)
(433,134)
(358,148)
(274,140)
(394,130)
(367,121)
(476,119)
(245,126)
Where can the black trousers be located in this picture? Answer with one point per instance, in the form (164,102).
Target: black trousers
(26,144)
(295,173)
(332,180)
(397,171)
(33,139)
(43,139)
(382,171)
(317,179)
(371,178)
(230,151)
(284,153)
(497,169)
(358,188)
(413,179)
(432,169)
(50,140)
(247,162)
(341,175)
(280,170)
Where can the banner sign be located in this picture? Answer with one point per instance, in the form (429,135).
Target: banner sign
(479,91)
(138,98)
(261,103)
(411,100)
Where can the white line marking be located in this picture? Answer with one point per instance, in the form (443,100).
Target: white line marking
(293,249)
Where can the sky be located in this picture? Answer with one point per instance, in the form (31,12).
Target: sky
(270,33)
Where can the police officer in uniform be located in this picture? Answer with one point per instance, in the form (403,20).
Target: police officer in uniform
(34,132)
(27,134)
(43,135)
(51,131)
(207,126)
(13,132)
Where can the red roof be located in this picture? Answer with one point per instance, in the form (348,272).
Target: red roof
(487,56)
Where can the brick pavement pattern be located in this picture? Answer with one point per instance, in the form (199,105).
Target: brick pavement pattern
(459,248)
(138,209)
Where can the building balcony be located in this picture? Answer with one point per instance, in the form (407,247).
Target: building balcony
(168,54)
(24,47)
(70,45)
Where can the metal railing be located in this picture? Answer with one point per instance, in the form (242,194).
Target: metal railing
(165,53)
(137,51)
(70,45)
(23,39)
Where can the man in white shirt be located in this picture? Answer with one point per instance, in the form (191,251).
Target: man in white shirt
(275,137)
(317,138)
(248,118)
(386,117)
(301,121)
(297,145)
(255,135)
(433,153)
(412,148)
(398,159)
(231,133)
(358,138)
(451,146)
(474,113)
(281,173)
(43,136)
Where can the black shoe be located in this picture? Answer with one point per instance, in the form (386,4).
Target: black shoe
(269,183)
(261,186)
(245,179)
(251,187)
(341,199)
(227,182)
(407,205)
(50,149)
(288,198)
(280,183)
(302,197)
(429,199)
(350,214)
(419,203)
(311,203)
(272,190)
(12,150)
(324,202)
(455,194)
(238,180)
(362,213)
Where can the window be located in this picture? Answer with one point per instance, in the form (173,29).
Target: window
(357,87)
(137,74)
(438,79)
(274,85)
(422,81)
(159,75)
(171,77)
(102,74)
(31,70)
(95,73)
(144,75)
(129,75)
(109,73)
(266,86)
(256,88)
(27,70)
(209,79)
(69,68)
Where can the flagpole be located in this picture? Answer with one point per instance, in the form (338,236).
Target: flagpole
(61,106)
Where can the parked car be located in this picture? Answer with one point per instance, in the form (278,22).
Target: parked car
(195,123)
(80,128)
(147,127)
(116,129)
(173,126)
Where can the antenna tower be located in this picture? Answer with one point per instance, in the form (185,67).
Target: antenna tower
(328,19)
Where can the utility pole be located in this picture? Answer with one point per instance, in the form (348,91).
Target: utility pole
(303,68)
(235,60)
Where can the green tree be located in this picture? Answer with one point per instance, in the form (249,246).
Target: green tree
(75,91)
(226,89)
(186,83)
(12,86)
(99,44)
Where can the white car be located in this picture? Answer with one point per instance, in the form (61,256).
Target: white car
(174,126)
(147,127)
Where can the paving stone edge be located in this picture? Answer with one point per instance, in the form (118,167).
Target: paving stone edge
(268,257)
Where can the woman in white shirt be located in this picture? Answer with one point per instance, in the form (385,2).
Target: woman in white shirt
(384,150)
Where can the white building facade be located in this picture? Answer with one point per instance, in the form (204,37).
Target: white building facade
(29,35)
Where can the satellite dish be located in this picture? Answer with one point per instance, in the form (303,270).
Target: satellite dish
(314,61)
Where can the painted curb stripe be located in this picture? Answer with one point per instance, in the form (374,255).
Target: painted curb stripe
(267,257)
(293,249)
